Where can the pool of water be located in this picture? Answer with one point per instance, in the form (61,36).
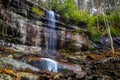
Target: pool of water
(53,65)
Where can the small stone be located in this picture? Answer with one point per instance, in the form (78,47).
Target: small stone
(18,55)
(69,78)
(57,76)
(0,55)
(10,56)
(80,75)
(92,56)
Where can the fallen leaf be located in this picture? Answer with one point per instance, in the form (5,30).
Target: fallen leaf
(7,71)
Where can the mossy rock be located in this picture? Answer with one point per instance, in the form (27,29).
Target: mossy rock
(37,11)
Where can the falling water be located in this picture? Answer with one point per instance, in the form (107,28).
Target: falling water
(49,64)
(52,33)
(54,65)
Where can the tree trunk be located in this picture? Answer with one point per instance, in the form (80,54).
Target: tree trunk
(109,32)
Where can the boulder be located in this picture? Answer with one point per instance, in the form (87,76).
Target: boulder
(104,43)
(18,65)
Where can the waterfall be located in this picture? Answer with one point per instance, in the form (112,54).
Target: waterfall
(51,33)
(50,42)
(49,64)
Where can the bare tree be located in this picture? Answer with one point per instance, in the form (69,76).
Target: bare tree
(108,30)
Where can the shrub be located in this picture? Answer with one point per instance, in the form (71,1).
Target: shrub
(95,35)
(114,31)
(67,10)
(79,16)
(115,18)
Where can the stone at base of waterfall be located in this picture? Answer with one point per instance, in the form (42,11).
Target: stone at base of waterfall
(73,75)
(72,59)
(17,65)
(45,64)
(80,75)
(68,73)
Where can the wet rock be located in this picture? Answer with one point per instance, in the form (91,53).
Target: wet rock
(68,73)
(72,59)
(104,43)
(80,75)
(18,65)
(33,34)
(23,26)
(10,56)
(17,29)
(17,49)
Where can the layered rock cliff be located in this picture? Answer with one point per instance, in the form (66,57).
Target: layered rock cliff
(24,22)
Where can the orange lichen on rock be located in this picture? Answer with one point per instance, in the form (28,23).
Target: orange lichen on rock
(7,71)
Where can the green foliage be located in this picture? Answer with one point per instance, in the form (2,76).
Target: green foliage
(114,21)
(96,36)
(79,16)
(100,19)
(91,21)
(91,48)
(67,10)
(114,31)
(115,18)
(70,14)
(94,33)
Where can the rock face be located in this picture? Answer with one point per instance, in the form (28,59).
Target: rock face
(18,65)
(80,39)
(19,28)
(104,43)
(20,23)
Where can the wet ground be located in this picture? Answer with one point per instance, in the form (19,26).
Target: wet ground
(88,65)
